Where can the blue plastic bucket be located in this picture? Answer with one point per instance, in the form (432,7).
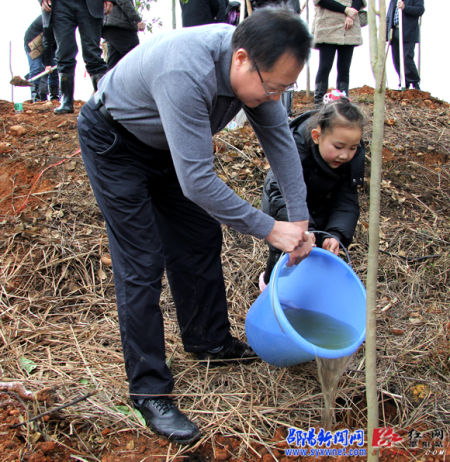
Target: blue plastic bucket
(321,283)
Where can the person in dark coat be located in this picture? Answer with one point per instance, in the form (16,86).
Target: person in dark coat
(65,16)
(200,12)
(40,47)
(412,11)
(292,4)
(332,156)
(120,30)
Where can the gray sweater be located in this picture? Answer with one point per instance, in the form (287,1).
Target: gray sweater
(174,92)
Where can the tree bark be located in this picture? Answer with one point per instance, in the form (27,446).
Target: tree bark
(174,15)
(377,54)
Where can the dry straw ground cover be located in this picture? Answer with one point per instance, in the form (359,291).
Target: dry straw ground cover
(59,327)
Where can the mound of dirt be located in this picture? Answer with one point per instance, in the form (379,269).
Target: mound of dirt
(60,345)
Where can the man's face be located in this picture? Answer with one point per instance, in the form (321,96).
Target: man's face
(254,89)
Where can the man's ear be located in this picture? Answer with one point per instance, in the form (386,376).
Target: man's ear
(240,57)
(315,135)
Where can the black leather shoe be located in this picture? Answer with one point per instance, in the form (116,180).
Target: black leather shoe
(233,351)
(163,417)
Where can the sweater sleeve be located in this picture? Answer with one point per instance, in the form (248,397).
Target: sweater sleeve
(272,129)
(273,202)
(188,132)
(357,4)
(344,210)
(332,5)
(344,214)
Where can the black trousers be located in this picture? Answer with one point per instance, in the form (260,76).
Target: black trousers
(67,15)
(152,226)
(120,42)
(411,73)
(327,53)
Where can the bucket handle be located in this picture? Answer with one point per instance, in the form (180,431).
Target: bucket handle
(340,243)
(277,268)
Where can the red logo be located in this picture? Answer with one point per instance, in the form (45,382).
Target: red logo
(384,437)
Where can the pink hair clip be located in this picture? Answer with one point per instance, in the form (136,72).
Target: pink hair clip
(334,95)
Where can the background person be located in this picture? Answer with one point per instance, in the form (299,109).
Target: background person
(200,12)
(336,29)
(65,16)
(40,47)
(120,30)
(288,96)
(412,11)
(332,155)
(146,141)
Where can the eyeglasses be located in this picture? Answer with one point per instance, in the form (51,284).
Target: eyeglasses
(268,92)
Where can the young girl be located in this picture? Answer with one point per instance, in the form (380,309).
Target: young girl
(332,155)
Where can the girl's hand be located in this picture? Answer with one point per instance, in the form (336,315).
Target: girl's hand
(331,244)
(351,12)
(348,24)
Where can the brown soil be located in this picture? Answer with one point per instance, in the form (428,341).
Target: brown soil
(40,158)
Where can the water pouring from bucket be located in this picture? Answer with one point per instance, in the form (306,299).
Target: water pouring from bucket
(314,309)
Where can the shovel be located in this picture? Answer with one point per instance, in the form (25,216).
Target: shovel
(19,82)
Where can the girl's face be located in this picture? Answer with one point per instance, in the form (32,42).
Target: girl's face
(338,145)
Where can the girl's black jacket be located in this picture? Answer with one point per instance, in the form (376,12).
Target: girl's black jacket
(332,194)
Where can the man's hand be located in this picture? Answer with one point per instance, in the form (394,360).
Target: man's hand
(351,12)
(140,26)
(46,5)
(331,245)
(401,5)
(292,238)
(107,7)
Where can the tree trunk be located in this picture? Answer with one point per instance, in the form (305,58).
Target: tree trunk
(378,60)
(174,14)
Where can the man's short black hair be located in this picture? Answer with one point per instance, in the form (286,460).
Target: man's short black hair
(270,32)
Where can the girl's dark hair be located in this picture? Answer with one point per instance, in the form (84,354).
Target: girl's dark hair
(342,113)
(270,32)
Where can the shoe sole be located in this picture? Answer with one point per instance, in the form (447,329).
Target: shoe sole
(226,362)
(190,440)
